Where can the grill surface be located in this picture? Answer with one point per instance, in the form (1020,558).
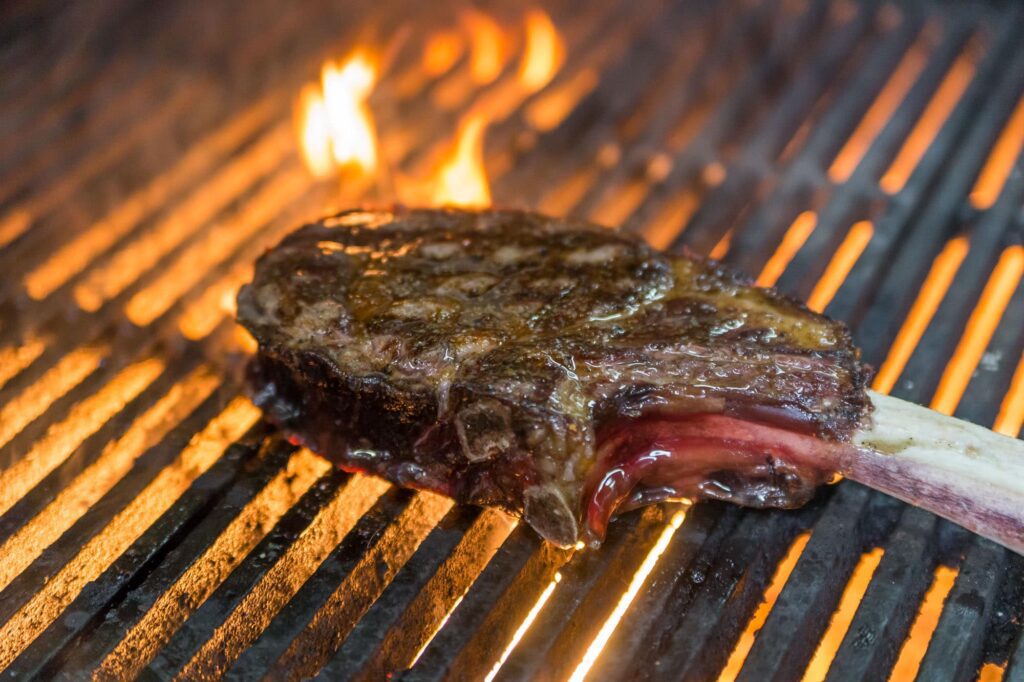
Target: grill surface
(863,155)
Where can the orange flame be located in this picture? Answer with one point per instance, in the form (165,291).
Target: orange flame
(487,45)
(314,132)
(543,53)
(336,126)
(441,52)
(462,179)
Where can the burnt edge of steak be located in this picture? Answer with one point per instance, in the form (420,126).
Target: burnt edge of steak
(554,368)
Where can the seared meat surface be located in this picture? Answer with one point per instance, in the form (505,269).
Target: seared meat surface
(557,369)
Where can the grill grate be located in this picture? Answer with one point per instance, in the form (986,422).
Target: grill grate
(864,155)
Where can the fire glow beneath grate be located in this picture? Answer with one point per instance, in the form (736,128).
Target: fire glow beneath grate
(839,267)
(932,291)
(722,247)
(14,359)
(980,327)
(746,640)
(103,548)
(931,121)
(1011,412)
(914,649)
(1000,162)
(594,650)
(155,628)
(843,616)
(794,238)
(531,616)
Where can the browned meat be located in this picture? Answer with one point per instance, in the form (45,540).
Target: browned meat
(557,369)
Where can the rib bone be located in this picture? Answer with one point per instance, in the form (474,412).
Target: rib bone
(957,470)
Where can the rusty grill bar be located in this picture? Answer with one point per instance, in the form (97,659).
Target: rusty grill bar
(867,156)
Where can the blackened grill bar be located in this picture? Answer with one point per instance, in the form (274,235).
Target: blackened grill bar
(749,111)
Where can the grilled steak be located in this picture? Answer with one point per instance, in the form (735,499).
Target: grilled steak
(557,369)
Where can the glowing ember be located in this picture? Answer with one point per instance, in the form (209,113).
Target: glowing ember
(462,180)
(336,126)
(543,53)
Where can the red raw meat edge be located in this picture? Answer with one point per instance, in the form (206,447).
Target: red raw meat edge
(715,456)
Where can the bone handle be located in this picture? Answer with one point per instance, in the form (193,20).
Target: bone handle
(958,470)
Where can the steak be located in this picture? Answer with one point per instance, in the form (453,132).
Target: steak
(557,369)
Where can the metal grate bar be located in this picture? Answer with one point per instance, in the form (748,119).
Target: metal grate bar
(344,577)
(807,86)
(693,643)
(364,644)
(521,563)
(684,562)
(129,566)
(718,68)
(582,606)
(1015,667)
(35,127)
(812,591)
(583,575)
(885,614)
(708,41)
(334,571)
(405,616)
(956,646)
(202,623)
(890,301)
(351,599)
(91,652)
(711,221)
(762,231)
(850,201)
(29,110)
(606,166)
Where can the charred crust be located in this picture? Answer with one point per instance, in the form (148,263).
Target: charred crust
(487,348)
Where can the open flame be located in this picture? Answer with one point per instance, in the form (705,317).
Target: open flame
(337,129)
(336,126)
(462,179)
(487,45)
(543,52)
(441,52)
